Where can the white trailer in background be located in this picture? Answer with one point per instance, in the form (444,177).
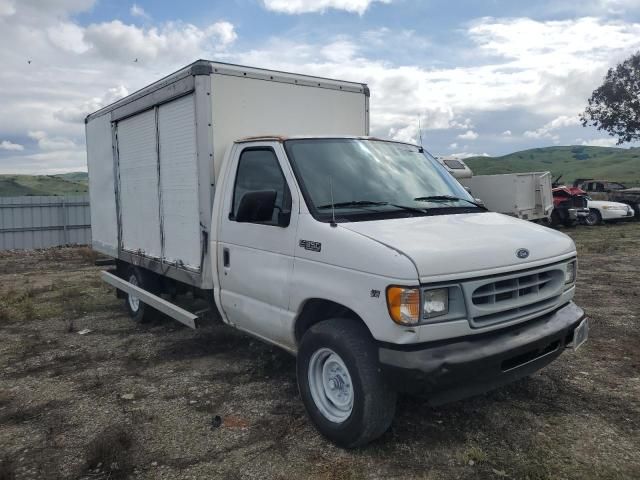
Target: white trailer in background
(523,195)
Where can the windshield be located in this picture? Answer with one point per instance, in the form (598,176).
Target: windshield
(365,177)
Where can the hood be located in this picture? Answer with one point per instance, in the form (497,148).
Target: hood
(603,203)
(467,245)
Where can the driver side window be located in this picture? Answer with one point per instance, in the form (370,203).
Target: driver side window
(259,170)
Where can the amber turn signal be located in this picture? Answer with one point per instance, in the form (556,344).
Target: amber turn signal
(404,305)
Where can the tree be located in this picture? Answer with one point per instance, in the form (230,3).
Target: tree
(615,105)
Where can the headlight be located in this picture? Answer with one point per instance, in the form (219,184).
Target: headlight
(570,273)
(405,308)
(435,302)
(404,305)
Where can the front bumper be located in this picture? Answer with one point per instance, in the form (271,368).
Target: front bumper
(582,212)
(453,369)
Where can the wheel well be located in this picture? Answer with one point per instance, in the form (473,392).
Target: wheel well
(316,310)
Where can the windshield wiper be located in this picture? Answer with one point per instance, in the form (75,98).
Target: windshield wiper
(370,203)
(410,209)
(436,198)
(354,203)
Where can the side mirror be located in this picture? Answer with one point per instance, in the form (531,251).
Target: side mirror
(256,206)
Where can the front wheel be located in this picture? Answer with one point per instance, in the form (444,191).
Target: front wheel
(340,383)
(594,218)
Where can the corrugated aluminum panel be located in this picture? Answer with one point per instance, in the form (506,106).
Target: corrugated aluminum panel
(138,175)
(179,182)
(44,221)
(104,228)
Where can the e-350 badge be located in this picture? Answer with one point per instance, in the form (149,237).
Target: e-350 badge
(310,245)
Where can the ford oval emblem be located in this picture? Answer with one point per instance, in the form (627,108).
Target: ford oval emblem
(522,253)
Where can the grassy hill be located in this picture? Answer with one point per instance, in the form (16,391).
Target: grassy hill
(64,184)
(577,161)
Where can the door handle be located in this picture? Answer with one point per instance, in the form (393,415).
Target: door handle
(225,257)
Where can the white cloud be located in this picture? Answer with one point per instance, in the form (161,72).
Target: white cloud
(453,145)
(77,113)
(546,130)
(407,134)
(464,155)
(10,146)
(563,121)
(224,32)
(507,133)
(57,70)
(600,142)
(542,75)
(617,7)
(138,11)
(308,6)
(466,124)
(468,135)
(170,42)
(7,8)
(68,36)
(533,69)
(339,51)
(46,163)
(55,143)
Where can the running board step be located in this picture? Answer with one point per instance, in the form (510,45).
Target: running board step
(160,304)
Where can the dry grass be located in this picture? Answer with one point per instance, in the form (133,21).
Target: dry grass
(88,255)
(109,452)
(7,469)
(139,400)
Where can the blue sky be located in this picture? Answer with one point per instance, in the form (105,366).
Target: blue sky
(481,77)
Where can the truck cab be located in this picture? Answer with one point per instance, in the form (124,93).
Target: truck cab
(362,257)
(324,261)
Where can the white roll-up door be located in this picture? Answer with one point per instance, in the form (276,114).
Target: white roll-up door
(139,196)
(179,182)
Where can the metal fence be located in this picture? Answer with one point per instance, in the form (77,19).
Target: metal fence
(40,222)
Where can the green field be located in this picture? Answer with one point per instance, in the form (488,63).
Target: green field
(618,164)
(64,184)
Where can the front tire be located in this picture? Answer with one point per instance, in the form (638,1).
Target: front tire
(594,218)
(341,385)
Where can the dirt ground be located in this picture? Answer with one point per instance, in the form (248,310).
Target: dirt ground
(160,401)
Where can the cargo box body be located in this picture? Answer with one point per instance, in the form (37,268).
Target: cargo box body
(153,156)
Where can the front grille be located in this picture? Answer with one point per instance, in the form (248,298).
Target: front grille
(578,201)
(508,297)
(510,314)
(513,288)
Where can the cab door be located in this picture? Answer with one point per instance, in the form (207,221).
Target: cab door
(255,258)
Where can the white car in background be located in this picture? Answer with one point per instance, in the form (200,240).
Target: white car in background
(605,211)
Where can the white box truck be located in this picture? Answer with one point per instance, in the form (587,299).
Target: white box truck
(526,195)
(364,258)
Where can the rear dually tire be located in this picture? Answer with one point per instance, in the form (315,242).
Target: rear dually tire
(139,311)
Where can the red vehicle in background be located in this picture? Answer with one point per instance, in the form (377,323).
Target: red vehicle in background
(569,204)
